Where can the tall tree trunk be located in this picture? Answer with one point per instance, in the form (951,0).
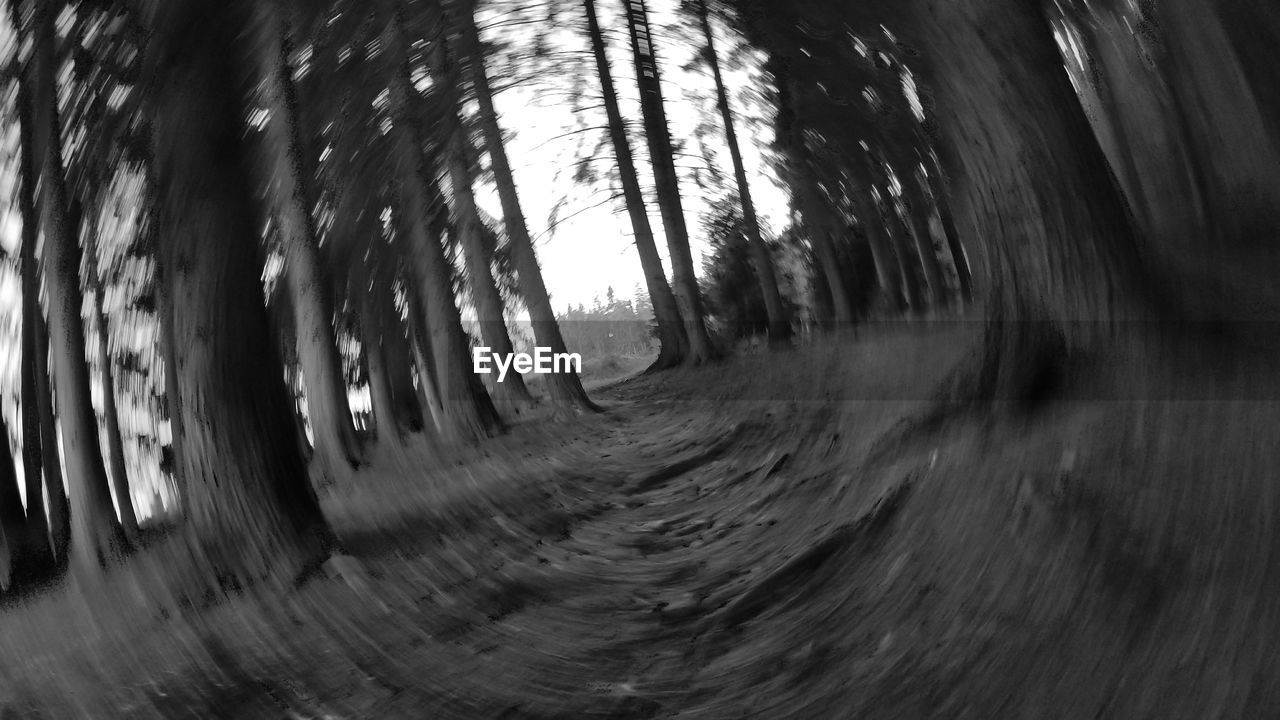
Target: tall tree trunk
(111,416)
(882,252)
(907,261)
(398,358)
(658,135)
(337,449)
(50,457)
(374,328)
(511,392)
(250,511)
(467,410)
(673,341)
(13,517)
(564,387)
(779,324)
(96,537)
(917,212)
(818,223)
(955,246)
(34,360)
(1060,238)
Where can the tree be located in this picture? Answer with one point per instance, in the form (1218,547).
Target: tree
(110,415)
(673,340)
(779,324)
(458,153)
(96,536)
(658,136)
(467,412)
(288,170)
(251,515)
(564,387)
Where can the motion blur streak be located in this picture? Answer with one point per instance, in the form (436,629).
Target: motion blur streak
(925,359)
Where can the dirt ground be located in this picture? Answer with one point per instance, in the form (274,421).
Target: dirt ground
(781,536)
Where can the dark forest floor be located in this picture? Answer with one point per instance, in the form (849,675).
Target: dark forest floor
(774,537)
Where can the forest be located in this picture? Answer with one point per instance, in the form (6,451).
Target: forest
(927,359)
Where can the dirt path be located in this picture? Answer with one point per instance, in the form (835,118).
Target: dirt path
(613,567)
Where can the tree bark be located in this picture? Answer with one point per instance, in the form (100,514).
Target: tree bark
(1063,250)
(96,537)
(658,136)
(511,392)
(882,252)
(337,449)
(467,412)
(375,326)
(251,514)
(917,211)
(818,223)
(34,363)
(779,324)
(902,238)
(50,457)
(673,341)
(111,417)
(565,388)
(954,244)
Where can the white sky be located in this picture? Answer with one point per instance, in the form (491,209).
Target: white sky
(595,249)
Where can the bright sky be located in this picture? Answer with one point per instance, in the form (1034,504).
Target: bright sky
(594,249)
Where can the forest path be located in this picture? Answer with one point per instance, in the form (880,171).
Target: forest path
(597,568)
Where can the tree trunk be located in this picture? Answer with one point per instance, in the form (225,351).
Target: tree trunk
(907,261)
(658,135)
(467,412)
(779,324)
(511,392)
(818,223)
(111,417)
(398,358)
(96,538)
(673,341)
(374,327)
(337,449)
(13,518)
(882,253)
(1061,242)
(34,361)
(250,512)
(50,457)
(954,245)
(565,388)
(917,212)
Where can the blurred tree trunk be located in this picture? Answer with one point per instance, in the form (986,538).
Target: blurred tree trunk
(250,511)
(1035,180)
(467,412)
(779,324)
(673,341)
(954,244)
(337,449)
(917,211)
(661,155)
(35,360)
(50,457)
(375,326)
(398,359)
(511,392)
(110,413)
(565,388)
(96,537)
(818,223)
(13,517)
